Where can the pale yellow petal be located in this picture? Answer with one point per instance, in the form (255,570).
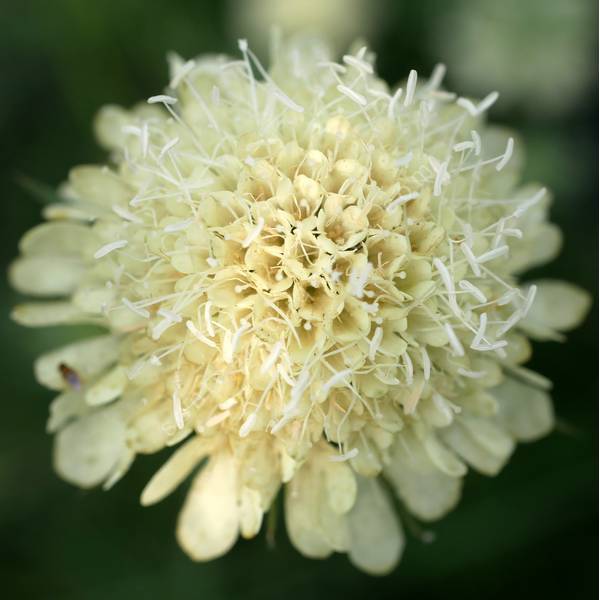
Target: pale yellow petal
(179,465)
(558,306)
(426,491)
(46,275)
(377,540)
(302,503)
(481,443)
(208,523)
(87,450)
(526,412)
(107,388)
(60,239)
(108,126)
(87,358)
(66,406)
(99,185)
(251,512)
(43,314)
(340,483)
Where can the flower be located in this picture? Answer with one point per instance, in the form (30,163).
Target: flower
(308,280)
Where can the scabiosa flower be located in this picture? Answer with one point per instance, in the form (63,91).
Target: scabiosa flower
(308,281)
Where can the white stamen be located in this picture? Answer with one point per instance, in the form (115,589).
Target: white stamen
(494,346)
(299,386)
(513,232)
(506,297)
(409,368)
(161,327)
(167,314)
(454,341)
(207,319)
(215,95)
(230,348)
(108,248)
(360,65)
(463,146)
(443,406)
(440,177)
(375,342)
(470,374)
(507,154)
(145,139)
(475,110)
(393,101)
(411,85)
(132,130)
(467,286)
(135,370)
(198,334)
(142,312)
(285,99)
(162,98)
(344,457)
(340,376)
(426,363)
(510,323)
(448,284)
(487,102)
(405,160)
(476,343)
(216,419)
(227,404)
(247,425)
(180,226)
(168,146)
(437,75)
(477,141)
(350,93)
(327,64)
(525,206)
(181,73)
(125,214)
(492,254)
(177,412)
(270,360)
(254,233)
(529,300)
(401,200)
(358,280)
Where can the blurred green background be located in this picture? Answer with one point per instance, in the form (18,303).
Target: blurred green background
(532,530)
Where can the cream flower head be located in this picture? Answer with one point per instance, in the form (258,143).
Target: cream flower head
(308,281)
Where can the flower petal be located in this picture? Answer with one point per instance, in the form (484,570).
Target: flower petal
(208,523)
(179,465)
(62,238)
(46,275)
(302,505)
(43,314)
(108,388)
(525,411)
(87,450)
(377,540)
(484,445)
(427,492)
(558,306)
(87,358)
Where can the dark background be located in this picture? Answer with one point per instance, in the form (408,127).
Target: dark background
(531,530)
